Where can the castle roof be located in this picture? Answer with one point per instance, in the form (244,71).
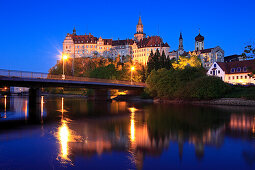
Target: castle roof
(88,39)
(246,66)
(123,42)
(153,41)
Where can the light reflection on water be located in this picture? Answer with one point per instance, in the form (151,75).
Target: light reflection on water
(142,135)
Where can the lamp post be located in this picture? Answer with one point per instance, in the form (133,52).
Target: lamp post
(132,69)
(63,60)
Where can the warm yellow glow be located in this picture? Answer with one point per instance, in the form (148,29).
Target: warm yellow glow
(5,88)
(5,102)
(25,109)
(65,57)
(132,68)
(63,137)
(132,124)
(132,127)
(42,97)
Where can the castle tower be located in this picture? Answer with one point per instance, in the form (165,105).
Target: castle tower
(199,42)
(74,31)
(139,35)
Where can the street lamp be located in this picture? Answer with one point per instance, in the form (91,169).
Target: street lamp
(132,69)
(64,57)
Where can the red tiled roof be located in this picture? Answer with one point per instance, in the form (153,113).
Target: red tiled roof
(248,64)
(123,42)
(206,50)
(80,39)
(154,41)
(107,41)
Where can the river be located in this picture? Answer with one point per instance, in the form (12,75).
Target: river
(73,133)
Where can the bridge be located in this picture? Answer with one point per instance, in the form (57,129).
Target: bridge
(35,81)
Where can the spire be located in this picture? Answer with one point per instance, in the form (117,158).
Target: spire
(74,31)
(180,35)
(140,21)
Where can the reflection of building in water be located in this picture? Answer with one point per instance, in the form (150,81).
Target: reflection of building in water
(242,122)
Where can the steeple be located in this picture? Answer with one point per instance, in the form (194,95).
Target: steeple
(74,31)
(139,35)
(180,35)
(140,21)
(180,42)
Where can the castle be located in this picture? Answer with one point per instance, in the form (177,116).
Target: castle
(139,48)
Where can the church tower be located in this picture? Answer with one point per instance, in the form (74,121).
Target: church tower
(180,50)
(180,42)
(199,42)
(139,35)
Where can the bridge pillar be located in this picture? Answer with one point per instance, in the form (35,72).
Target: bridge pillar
(102,94)
(34,104)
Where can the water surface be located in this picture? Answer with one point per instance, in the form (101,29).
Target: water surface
(73,133)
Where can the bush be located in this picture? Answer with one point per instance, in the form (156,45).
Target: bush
(206,87)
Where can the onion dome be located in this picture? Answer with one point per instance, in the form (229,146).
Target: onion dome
(199,38)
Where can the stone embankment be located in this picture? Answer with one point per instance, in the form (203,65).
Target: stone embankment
(223,101)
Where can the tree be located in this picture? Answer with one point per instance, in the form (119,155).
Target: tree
(249,52)
(184,61)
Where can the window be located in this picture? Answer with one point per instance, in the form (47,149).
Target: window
(233,77)
(214,65)
(218,71)
(238,69)
(237,77)
(232,70)
(241,77)
(245,77)
(91,46)
(229,77)
(210,72)
(87,46)
(244,69)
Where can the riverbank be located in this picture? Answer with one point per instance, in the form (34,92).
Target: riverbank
(222,101)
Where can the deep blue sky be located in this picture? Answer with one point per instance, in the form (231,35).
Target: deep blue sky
(32,32)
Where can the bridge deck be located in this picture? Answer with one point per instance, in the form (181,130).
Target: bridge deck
(32,79)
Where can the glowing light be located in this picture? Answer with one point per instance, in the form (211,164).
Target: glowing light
(63,137)
(25,110)
(5,88)
(132,124)
(42,97)
(65,57)
(132,68)
(5,105)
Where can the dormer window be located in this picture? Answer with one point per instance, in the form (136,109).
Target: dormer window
(232,70)
(214,65)
(245,69)
(238,69)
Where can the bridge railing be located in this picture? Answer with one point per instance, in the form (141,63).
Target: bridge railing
(38,75)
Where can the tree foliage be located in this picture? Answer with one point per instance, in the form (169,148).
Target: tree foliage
(190,82)
(184,61)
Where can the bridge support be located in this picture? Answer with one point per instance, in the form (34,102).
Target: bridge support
(102,94)
(34,104)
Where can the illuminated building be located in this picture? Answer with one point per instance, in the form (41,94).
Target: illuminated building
(139,47)
(236,72)
(207,56)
